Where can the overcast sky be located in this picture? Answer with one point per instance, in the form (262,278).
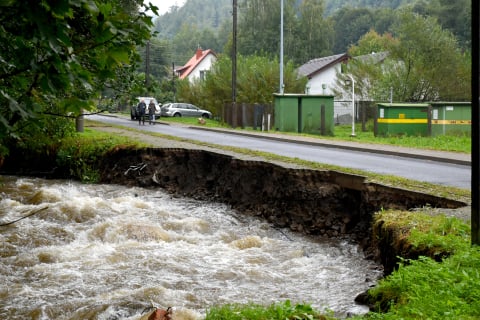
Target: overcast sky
(164,5)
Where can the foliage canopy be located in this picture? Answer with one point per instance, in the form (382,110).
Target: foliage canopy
(423,63)
(56,55)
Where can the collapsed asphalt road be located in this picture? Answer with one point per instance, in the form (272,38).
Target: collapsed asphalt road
(441,168)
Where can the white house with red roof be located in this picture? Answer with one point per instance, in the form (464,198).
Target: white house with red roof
(198,66)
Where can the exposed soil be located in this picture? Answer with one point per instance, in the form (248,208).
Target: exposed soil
(462,212)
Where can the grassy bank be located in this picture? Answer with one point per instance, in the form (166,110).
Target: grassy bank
(81,152)
(444,285)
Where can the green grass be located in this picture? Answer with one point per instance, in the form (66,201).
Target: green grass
(193,121)
(453,143)
(424,288)
(276,311)
(80,152)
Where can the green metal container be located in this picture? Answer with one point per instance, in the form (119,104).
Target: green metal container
(303,113)
(451,118)
(402,119)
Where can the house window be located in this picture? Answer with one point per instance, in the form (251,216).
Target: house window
(203,74)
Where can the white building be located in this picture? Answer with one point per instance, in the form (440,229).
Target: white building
(198,66)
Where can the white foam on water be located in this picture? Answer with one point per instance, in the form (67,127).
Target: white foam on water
(110,251)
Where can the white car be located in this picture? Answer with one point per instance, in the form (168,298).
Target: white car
(184,110)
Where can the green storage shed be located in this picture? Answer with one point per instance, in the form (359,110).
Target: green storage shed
(451,118)
(304,113)
(402,119)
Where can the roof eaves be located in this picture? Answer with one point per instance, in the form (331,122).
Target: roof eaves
(193,62)
(339,59)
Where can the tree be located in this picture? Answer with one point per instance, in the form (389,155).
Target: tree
(372,42)
(430,61)
(188,39)
(258,27)
(424,63)
(57,55)
(315,34)
(307,34)
(454,16)
(350,25)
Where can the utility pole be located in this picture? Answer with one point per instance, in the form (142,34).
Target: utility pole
(147,65)
(475,215)
(173,82)
(234,54)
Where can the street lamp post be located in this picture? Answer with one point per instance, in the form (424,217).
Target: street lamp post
(282,85)
(353,103)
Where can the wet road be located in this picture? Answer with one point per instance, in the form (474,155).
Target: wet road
(435,172)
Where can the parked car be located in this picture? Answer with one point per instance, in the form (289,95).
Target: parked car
(134,111)
(184,110)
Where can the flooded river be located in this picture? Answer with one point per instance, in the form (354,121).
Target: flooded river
(108,251)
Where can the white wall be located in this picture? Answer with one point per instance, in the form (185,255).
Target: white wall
(204,65)
(326,77)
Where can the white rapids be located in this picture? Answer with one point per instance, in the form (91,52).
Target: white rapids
(83,251)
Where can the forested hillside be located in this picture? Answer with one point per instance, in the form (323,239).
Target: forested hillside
(312,29)
(212,13)
(334,5)
(200,14)
(208,24)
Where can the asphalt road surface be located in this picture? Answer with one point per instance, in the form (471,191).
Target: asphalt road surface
(435,172)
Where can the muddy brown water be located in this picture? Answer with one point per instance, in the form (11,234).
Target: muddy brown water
(110,251)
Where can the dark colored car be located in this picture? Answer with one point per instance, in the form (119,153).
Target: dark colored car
(184,110)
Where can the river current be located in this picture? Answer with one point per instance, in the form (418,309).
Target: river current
(83,251)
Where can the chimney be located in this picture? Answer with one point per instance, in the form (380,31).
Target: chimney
(199,53)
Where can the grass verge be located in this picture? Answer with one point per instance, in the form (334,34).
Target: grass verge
(277,311)
(80,153)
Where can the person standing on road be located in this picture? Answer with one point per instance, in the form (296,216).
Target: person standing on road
(141,112)
(151,112)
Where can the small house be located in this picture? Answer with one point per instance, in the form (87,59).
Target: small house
(198,65)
